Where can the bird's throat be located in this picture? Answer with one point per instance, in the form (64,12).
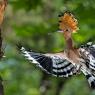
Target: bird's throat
(69,43)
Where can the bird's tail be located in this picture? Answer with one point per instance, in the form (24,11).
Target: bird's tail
(90,78)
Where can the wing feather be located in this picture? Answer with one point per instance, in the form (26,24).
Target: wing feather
(55,65)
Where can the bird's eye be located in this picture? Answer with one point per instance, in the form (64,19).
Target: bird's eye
(67,30)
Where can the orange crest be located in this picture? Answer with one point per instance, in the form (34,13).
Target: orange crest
(68,21)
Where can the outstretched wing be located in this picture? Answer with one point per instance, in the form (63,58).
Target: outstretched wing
(88,53)
(52,64)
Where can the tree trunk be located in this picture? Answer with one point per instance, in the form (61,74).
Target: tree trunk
(1,86)
(3,4)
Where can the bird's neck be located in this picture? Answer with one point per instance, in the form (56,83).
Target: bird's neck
(69,42)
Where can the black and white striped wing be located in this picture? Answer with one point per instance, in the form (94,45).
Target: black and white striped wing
(51,64)
(88,53)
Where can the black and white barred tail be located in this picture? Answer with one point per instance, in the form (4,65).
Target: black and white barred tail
(87,52)
(51,64)
(91,80)
(89,76)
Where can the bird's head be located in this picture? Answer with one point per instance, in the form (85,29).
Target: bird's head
(67,24)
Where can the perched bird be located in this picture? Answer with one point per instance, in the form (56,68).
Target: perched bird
(71,61)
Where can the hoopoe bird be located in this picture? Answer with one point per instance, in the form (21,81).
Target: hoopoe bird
(71,61)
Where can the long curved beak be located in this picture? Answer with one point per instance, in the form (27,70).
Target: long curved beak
(60,31)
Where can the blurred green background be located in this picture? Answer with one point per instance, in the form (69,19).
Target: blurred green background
(34,23)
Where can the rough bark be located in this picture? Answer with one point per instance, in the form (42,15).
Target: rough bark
(2,9)
(1,86)
(1,54)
